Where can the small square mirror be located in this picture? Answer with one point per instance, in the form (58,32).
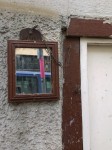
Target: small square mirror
(32,71)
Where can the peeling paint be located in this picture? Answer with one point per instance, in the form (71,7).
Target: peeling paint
(110,36)
(72,121)
(108,21)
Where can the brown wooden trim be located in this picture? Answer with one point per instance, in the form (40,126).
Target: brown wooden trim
(12,96)
(71,115)
(89,28)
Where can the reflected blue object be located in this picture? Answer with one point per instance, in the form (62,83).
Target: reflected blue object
(29,73)
(29,82)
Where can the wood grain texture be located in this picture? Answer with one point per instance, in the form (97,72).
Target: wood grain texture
(89,28)
(72,117)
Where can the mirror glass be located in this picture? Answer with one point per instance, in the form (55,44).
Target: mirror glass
(32,71)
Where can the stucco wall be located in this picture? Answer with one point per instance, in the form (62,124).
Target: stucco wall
(96,8)
(37,126)
(28,126)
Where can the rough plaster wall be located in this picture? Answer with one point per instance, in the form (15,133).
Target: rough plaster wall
(28,126)
(36,126)
(92,8)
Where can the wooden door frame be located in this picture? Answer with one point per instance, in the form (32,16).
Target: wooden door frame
(72,138)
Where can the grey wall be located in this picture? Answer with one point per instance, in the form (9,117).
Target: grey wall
(28,126)
(93,8)
(37,126)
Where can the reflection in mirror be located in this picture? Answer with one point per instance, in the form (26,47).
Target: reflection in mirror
(33,71)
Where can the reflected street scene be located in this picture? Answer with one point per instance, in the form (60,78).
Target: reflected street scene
(33,71)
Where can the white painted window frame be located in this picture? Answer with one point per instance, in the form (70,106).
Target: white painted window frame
(84,42)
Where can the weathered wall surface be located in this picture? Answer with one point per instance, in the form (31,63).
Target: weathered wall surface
(28,126)
(36,126)
(96,8)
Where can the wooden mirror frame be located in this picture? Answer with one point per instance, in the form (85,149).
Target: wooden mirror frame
(12,96)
